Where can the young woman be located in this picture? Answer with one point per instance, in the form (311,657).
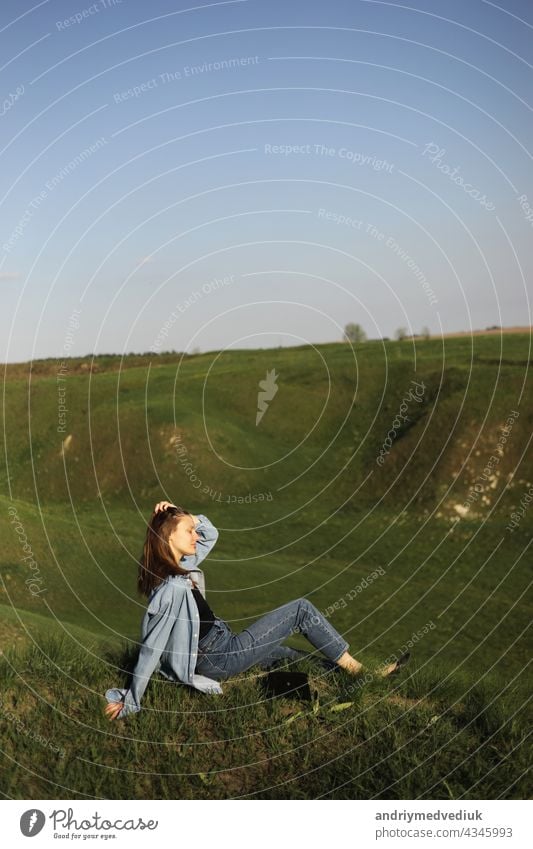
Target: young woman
(183,639)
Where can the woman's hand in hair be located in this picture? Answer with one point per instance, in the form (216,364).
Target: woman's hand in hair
(162,505)
(113,709)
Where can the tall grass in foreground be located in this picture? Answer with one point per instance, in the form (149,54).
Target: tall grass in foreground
(422,735)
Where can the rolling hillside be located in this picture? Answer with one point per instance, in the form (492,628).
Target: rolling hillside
(411,458)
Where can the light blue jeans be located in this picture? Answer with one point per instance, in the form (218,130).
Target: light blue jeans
(221,653)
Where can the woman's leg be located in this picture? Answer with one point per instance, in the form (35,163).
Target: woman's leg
(281,653)
(257,642)
(226,654)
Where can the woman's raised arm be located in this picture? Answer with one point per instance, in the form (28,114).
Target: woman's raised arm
(208,536)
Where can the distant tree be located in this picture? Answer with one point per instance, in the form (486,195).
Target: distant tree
(425,333)
(401,334)
(354,333)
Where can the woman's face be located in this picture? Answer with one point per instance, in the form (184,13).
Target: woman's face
(183,538)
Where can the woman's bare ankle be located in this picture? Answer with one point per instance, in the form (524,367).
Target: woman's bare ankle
(350,664)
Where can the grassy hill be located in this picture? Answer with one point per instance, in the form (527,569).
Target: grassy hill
(436,734)
(304,506)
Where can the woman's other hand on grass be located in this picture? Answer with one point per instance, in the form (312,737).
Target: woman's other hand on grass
(113,709)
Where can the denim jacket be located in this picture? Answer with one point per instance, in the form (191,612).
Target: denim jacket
(170,628)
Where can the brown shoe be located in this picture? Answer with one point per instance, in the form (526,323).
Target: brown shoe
(402,660)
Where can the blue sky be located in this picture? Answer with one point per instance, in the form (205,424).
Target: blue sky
(250,174)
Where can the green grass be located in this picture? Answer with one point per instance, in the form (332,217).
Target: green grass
(19,628)
(454,726)
(424,736)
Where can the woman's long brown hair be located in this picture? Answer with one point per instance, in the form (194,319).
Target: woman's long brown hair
(157,561)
